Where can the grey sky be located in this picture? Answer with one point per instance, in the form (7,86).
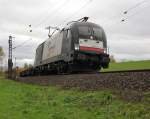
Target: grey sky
(127,40)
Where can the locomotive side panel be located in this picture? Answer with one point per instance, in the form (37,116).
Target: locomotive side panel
(38,56)
(52,46)
(66,46)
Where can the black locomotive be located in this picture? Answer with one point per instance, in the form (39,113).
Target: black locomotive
(81,46)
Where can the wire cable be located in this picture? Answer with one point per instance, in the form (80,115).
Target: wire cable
(21,44)
(82,7)
(51,13)
(135,6)
(57,13)
(132,15)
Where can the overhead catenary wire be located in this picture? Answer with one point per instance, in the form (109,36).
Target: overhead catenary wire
(21,44)
(58,13)
(134,14)
(135,6)
(122,18)
(46,11)
(125,18)
(71,15)
(51,13)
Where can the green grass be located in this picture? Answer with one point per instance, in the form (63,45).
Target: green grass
(132,65)
(24,101)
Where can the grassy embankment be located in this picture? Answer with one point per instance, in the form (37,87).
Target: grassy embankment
(132,65)
(24,101)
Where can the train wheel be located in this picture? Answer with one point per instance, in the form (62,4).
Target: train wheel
(69,69)
(61,68)
(97,67)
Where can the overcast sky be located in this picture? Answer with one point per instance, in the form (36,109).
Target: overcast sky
(129,40)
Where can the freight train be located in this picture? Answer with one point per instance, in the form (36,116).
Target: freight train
(81,46)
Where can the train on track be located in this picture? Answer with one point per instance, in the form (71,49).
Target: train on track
(80,46)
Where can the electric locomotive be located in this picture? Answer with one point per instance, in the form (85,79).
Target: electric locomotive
(81,46)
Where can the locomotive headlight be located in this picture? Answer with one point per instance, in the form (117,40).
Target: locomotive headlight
(76,46)
(105,50)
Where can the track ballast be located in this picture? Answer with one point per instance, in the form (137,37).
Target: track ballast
(130,85)
(129,79)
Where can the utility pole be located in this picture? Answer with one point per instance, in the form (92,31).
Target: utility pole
(10,63)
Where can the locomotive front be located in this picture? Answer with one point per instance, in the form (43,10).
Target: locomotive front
(90,45)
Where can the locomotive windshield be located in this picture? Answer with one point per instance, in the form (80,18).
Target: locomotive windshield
(97,33)
(86,32)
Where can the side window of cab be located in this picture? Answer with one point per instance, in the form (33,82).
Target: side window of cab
(68,34)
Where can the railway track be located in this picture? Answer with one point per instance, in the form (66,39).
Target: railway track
(107,72)
(123,71)
(130,84)
(128,79)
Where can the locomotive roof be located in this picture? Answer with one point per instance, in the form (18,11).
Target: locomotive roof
(85,24)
